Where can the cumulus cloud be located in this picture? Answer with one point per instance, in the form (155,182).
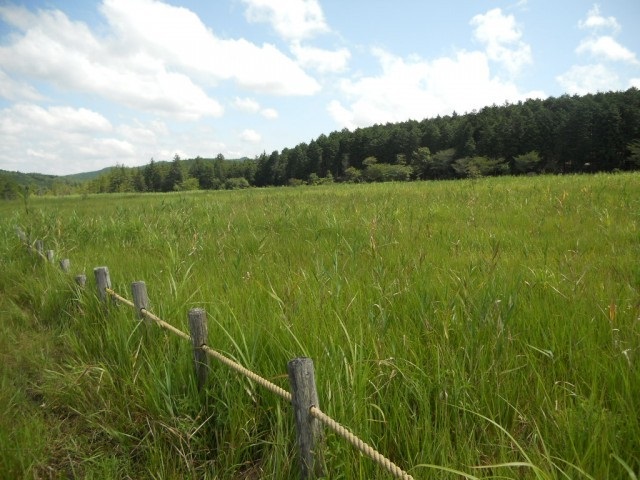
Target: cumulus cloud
(606,48)
(583,79)
(291,19)
(598,45)
(149,59)
(178,36)
(250,105)
(502,39)
(247,105)
(418,89)
(295,21)
(47,137)
(23,117)
(595,21)
(322,60)
(64,140)
(269,113)
(251,136)
(11,89)
(67,54)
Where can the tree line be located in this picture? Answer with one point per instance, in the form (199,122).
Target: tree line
(568,134)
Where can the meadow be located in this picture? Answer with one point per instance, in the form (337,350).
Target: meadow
(485,328)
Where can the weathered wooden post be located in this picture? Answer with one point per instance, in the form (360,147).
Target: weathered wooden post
(103,281)
(198,331)
(51,256)
(40,247)
(65,265)
(21,235)
(81,280)
(140,298)
(308,429)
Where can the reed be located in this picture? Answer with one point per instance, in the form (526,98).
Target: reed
(485,328)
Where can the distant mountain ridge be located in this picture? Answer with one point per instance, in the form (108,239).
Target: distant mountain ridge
(84,176)
(29,179)
(44,180)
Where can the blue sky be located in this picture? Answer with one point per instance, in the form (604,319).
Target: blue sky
(90,84)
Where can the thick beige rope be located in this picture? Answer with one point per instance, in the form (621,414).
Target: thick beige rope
(359,444)
(315,412)
(210,351)
(272,387)
(119,298)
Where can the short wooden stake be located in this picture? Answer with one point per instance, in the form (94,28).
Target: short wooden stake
(103,281)
(51,256)
(81,280)
(198,330)
(21,235)
(65,265)
(308,429)
(140,298)
(40,247)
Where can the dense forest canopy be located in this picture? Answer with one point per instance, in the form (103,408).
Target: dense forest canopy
(568,134)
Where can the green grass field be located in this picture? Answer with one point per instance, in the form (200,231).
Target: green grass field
(490,327)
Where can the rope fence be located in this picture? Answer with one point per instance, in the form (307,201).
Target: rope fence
(303,396)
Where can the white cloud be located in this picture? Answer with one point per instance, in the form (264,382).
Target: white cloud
(250,136)
(634,82)
(322,60)
(17,91)
(67,54)
(247,104)
(595,20)
(101,148)
(502,39)
(149,59)
(63,140)
(143,134)
(269,113)
(419,88)
(291,19)
(583,79)
(57,138)
(178,37)
(607,48)
(23,117)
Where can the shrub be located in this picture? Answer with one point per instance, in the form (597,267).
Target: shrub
(236,183)
(385,172)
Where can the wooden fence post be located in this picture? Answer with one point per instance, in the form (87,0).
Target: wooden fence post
(198,330)
(21,235)
(65,265)
(81,280)
(140,298)
(51,256)
(103,281)
(308,429)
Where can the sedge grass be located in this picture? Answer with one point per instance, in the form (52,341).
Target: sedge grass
(488,327)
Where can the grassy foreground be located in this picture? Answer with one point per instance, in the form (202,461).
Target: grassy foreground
(490,327)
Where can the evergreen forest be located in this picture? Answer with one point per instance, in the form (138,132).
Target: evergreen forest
(568,134)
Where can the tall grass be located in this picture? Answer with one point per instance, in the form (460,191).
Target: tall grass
(489,327)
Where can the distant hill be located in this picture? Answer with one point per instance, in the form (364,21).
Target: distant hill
(40,182)
(35,180)
(86,176)
(12,182)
